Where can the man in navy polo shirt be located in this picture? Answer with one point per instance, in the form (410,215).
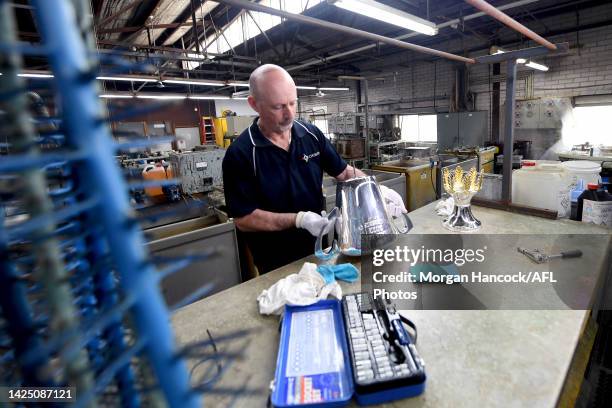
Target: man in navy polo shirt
(273,174)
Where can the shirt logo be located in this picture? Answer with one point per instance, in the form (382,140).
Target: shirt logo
(307,157)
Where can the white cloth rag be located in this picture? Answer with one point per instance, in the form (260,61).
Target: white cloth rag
(445,207)
(299,289)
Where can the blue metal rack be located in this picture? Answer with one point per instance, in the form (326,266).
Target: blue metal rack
(79,299)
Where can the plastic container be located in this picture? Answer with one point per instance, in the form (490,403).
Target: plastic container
(154,172)
(540,163)
(544,186)
(584,170)
(574,194)
(595,206)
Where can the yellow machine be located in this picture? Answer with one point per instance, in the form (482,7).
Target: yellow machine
(420,180)
(220,131)
(228,127)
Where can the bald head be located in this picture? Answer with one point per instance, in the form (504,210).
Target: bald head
(266,75)
(273,97)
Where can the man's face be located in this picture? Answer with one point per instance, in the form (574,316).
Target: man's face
(276,102)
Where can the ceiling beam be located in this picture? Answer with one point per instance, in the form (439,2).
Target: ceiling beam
(349,30)
(118,13)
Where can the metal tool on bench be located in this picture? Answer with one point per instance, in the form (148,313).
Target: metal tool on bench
(539,256)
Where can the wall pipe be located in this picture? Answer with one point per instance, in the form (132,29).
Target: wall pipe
(349,30)
(510,22)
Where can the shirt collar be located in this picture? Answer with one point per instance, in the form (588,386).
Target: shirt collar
(259,140)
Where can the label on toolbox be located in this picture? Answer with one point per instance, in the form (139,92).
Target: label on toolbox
(314,359)
(201,165)
(314,388)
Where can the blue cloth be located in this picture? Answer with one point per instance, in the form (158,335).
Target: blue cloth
(346,272)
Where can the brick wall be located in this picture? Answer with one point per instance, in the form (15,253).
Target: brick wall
(412,82)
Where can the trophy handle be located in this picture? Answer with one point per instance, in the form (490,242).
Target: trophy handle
(407,224)
(319,251)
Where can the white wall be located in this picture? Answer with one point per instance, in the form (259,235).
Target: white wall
(241,107)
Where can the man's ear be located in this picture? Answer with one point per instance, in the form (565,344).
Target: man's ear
(252,103)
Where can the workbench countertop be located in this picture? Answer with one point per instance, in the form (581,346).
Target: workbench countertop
(499,358)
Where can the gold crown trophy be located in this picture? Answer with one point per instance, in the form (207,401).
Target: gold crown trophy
(462,187)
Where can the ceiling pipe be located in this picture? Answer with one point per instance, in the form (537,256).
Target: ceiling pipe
(408,35)
(510,22)
(349,30)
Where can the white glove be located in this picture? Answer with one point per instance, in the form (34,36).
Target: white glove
(313,222)
(393,202)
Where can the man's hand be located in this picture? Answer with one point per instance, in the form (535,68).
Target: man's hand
(312,222)
(393,202)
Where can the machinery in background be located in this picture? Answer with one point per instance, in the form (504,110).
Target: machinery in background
(539,121)
(158,171)
(420,179)
(584,149)
(229,127)
(199,170)
(486,159)
(383,134)
(541,113)
(349,142)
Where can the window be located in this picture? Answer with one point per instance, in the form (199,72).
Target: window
(246,26)
(317,117)
(591,124)
(322,124)
(419,128)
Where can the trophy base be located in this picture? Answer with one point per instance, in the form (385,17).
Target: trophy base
(461,220)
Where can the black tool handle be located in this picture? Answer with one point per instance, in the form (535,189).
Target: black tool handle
(575,253)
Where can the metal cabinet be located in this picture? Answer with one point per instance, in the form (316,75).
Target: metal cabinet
(462,129)
(194,237)
(473,128)
(448,131)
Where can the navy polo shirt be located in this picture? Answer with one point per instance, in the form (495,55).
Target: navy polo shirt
(260,175)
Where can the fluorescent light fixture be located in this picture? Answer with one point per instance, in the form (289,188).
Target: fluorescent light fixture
(211,97)
(34,75)
(537,66)
(161,96)
(238,84)
(382,12)
(192,82)
(307,87)
(241,94)
(496,50)
(117,96)
(333,89)
(130,79)
(239,98)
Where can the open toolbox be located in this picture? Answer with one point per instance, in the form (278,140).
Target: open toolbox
(334,350)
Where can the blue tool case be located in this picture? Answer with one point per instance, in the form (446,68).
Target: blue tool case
(334,350)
